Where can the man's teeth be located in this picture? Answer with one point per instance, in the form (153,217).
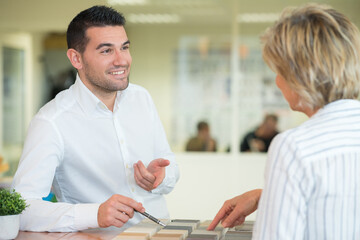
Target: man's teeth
(117,73)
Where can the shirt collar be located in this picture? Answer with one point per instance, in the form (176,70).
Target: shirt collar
(338,105)
(89,102)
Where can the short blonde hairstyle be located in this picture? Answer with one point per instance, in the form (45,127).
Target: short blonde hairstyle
(317,51)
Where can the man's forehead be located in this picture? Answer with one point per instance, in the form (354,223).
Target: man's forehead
(106,32)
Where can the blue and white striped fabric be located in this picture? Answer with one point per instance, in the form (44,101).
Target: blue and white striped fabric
(312,178)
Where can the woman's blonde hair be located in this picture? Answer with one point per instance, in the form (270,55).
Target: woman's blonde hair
(317,51)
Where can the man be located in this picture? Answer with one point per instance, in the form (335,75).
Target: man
(100,144)
(260,139)
(312,184)
(202,141)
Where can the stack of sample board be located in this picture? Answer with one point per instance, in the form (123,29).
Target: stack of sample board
(185,229)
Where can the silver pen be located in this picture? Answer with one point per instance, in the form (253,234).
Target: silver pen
(154,219)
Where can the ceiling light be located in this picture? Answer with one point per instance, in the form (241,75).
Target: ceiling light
(153,18)
(257,17)
(127,2)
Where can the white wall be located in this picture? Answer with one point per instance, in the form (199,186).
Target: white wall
(207,180)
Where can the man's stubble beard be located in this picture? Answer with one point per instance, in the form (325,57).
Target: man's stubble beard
(104,84)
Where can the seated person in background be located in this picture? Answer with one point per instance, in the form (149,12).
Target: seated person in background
(312,183)
(203,140)
(260,139)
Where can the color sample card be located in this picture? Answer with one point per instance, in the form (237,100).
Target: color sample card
(205,224)
(167,236)
(163,220)
(132,236)
(149,230)
(193,225)
(247,226)
(185,229)
(202,236)
(188,228)
(184,233)
(218,234)
(235,235)
(186,221)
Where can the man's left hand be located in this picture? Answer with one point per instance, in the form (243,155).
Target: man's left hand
(151,177)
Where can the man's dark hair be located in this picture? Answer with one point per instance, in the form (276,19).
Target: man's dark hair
(96,16)
(202,125)
(271,116)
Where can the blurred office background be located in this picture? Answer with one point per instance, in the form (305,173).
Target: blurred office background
(199,59)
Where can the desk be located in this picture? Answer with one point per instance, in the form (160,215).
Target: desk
(98,234)
(197,228)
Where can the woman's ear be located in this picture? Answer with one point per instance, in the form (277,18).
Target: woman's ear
(75,58)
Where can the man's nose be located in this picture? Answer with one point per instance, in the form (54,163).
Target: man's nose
(120,58)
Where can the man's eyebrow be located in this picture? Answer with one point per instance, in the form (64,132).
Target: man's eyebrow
(127,42)
(104,45)
(110,44)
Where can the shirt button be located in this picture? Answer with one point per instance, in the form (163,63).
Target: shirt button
(122,141)
(132,189)
(127,166)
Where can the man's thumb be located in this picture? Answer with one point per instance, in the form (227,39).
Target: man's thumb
(163,162)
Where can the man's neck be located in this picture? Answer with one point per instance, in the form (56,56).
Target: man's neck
(108,98)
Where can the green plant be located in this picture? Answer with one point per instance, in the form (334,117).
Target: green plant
(11,202)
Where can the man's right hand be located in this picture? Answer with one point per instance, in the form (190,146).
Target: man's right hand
(117,210)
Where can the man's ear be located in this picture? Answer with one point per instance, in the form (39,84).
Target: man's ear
(75,58)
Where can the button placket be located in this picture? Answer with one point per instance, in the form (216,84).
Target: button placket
(128,166)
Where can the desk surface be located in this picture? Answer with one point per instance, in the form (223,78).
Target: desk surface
(198,229)
(98,234)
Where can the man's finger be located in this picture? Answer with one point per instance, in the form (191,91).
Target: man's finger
(158,181)
(139,177)
(122,217)
(142,185)
(163,162)
(144,172)
(124,209)
(131,203)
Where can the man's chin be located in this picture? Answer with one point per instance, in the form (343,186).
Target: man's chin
(124,85)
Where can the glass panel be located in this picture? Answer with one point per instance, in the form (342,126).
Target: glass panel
(202,86)
(258,91)
(13,106)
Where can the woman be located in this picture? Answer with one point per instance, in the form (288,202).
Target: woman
(312,187)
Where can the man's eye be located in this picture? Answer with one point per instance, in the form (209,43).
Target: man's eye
(106,51)
(125,47)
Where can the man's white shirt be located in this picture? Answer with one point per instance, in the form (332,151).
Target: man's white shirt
(85,153)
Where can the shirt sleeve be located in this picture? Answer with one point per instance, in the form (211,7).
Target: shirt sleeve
(162,150)
(42,154)
(282,207)
(46,216)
